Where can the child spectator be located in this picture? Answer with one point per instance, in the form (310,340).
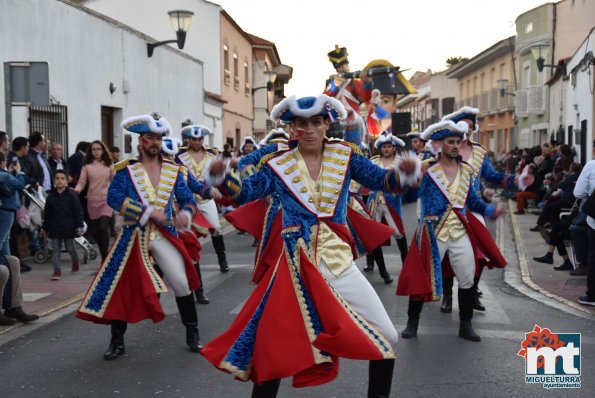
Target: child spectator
(62,222)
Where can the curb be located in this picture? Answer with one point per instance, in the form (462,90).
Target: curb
(524,267)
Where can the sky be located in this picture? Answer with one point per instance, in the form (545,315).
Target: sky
(414,34)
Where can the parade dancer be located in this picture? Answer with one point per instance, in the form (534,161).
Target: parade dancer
(200,226)
(127,286)
(477,157)
(351,92)
(197,158)
(385,206)
(447,196)
(314,305)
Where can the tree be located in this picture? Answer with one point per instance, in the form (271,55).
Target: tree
(451,61)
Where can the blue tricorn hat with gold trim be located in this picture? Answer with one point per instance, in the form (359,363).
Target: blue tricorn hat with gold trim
(306,107)
(144,124)
(444,129)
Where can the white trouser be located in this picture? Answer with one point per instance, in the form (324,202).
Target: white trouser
(462,260)
(355,289)
(171,263)
(209,210)
(382,211)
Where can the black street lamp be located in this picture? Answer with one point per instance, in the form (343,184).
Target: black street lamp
(502,85)
(270,84)
(540,56)
(180,20)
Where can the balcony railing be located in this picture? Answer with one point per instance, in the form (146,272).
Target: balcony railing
(536,100)
(520,104)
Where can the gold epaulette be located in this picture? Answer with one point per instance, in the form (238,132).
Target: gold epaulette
(122,164)
(375,157)
(354,147)
(213,151)
(268,157)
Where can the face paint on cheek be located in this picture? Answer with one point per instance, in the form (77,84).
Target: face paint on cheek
(300,132)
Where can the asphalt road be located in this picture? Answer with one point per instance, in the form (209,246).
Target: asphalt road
(64,358)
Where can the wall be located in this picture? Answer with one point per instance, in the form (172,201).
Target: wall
(202,41)
(237,112)
(85,53)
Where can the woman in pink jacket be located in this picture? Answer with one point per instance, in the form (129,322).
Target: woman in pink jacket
(97,172)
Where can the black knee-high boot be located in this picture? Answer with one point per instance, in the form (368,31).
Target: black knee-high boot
(477,305)
(380,378)
(447,282)
(403,248)
(187,310)
(466,299)
(369,263)
(413,313)
(268,389)
(379,258)
(219,246)
(116,345)
(201,297)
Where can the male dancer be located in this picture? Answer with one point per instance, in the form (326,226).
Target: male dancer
(387,206)
(127,286)
(197,158)
(447,196)
(313,305)
(476,156)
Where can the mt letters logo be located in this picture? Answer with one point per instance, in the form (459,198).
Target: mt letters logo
(552,359)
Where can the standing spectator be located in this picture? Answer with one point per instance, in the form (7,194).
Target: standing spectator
(62,222)
(56,160)
(585,186)
(35,162)
(75,162)
(12,180)
(115,154)
(20,148)
(3,142)
(97,172)
(533,191)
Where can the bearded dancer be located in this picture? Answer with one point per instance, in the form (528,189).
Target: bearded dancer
(447,196)
(127,287)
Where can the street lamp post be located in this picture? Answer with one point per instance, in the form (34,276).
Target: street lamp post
(180,20)
(272,75)
(502,85)
(540,54)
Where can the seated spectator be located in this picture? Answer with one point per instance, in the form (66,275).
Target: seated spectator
(560,199)
(565,158)
(547,163)
(11,293)
(533,191)
(560,232)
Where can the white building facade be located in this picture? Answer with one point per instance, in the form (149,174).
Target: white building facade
(98,71)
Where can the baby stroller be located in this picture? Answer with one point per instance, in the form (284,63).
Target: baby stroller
(36,206)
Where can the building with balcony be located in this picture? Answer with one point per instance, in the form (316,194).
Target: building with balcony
(269,79)
(434,97)
(487,82)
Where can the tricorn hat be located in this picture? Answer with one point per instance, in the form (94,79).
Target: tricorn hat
(306,107)
(444,129)
(143,124)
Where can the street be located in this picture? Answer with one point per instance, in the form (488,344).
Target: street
(64,357)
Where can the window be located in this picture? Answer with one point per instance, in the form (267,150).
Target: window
(236,72)
(246,79)
(529,27)
(226,72)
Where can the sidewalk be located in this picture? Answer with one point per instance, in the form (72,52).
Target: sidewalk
(543,277)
